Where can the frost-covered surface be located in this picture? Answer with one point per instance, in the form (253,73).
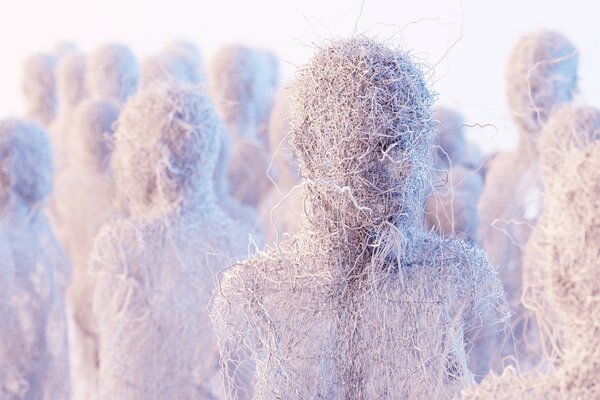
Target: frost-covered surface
(361,303)
(154,269)
(541,76)
(38,82)
(34,342)
(112,73)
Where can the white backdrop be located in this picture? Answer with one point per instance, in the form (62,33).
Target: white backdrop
(466,42)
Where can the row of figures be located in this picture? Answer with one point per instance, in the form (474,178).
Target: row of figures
(174,233)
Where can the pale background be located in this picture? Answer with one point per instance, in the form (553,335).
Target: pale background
(466,42)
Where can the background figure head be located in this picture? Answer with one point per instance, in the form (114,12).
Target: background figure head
(166,146)
(569,127)
(39,88)
(93,125)
(179,61)
(449,144)
(189,59)
(70,80)
(239,85)
(112,73)
(361,128)
(25,164)
(541,75)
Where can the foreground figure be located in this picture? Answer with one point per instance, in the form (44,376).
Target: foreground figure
(362,303)
(154,270)
(33,347)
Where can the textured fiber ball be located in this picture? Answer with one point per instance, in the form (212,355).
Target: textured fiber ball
(176,153)
(360,303)
(38,83)
(239,86)
(541,75)
(70,79)
(112,73)
(449,142)
(37,352)
(154,269)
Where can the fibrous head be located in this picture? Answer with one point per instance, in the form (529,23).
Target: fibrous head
(112,73)
(25,163)
(39,87)
(449,144)
(361,128)
(70,79)
(93,124)
(541,75)
(166,146)
(568,127)
(239,86)
(188,58)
